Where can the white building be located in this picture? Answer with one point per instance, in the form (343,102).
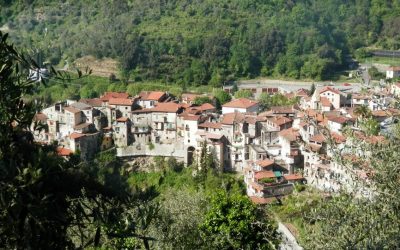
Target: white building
(242,105)
(393,72)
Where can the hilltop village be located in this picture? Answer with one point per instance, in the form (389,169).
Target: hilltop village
(317,141)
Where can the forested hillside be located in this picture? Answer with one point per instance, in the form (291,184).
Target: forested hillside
(205,41)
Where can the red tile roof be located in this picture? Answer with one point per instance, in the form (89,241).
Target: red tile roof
(72,109)
(302,92)
(265,163)
(189,97)
(167,107)
(320,138)
(206,106)
(394,68)
(279,120)
(264,174)
(230,118)
(293,177)
(76,135)
(108,95)
(120,101)
(210,125)
(338,119)
(291,134)
(241,103)
(338,137)
(314,147)
(151,96)
(122,119)
(214,136)
(327,88)
(325,102)
(95,102)
(282,110)
(191,117)
(64,151)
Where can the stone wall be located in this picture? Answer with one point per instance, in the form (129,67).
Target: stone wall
(176,150)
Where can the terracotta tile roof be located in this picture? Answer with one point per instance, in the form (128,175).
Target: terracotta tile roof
(264,174)
(151,96)
(360,97)
(282,110)
(166,107)
(241,103)
(122,119)
(61,151)
(290,95)
(210,125)
(72,109)
(76,135)
(206,106)
(108,95)
(394,68)
(376,139)
(302,92)
(230,118)
(213,136)
(120,101)
(189,97)
(81,106)
(250,119)
(191,117)
(327,88)
(314,147)
(290,134)
(320,138)
(279,120)
(293,177)
(95,102)
(338,137)
(338,119)
(325,102)
(265,163)
(257,186)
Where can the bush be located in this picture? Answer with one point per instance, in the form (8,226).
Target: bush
(150,145)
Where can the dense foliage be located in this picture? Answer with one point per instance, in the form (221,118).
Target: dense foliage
(346,222)
(199,42)
(46,201)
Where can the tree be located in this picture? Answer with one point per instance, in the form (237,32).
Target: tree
(181,213)
(205,163)
(312,89)
(267,101)
(201,100)
(363,111)
(233,222)
(370,126)
(244,93)
(46,202)
(221,96)
(349,222)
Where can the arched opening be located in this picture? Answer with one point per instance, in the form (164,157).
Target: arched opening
(190,154)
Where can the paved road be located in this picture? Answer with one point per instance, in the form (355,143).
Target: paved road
(288,240)
(291,85)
